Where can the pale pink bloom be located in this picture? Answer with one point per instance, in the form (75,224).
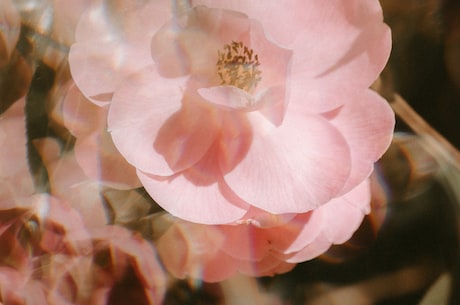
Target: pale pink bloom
(10,26)
(94,149)
(15,178)
(122,266)
(242,110)
(216,252)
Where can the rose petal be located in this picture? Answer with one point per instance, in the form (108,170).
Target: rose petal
(103,56)
(187,135)
(138,111)
(198,194)
(299,156)
(343,215)
(367,123)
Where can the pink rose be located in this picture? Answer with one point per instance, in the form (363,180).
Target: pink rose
(234,111)
(216,252)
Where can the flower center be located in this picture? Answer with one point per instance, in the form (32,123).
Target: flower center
(238,65)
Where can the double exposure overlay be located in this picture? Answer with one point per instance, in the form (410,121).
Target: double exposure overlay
(216,152)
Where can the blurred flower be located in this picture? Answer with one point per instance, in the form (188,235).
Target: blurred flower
(229,116)
(121,266)
(49,255)
(216,252)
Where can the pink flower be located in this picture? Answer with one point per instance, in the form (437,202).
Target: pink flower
(233,111)
(216,252)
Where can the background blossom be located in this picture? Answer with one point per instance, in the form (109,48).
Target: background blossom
(50,256)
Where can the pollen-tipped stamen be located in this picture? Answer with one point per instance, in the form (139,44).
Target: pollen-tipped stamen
(238,65)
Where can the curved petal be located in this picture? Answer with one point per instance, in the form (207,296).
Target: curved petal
(284,166)
(138,111)
(312,250)
(198,194)
(268,13)
(284,22)
(367,122)
(92,67)
(110,45)
(187,135)
(335,221)
(343,215)
(296,234)
(320,74)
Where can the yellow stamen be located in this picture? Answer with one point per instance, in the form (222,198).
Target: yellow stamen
(238,65)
